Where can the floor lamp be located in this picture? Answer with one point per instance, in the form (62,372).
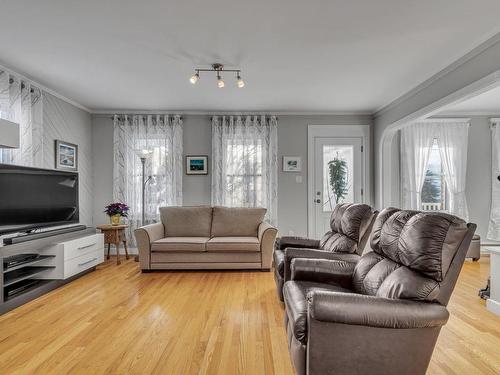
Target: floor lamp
(144,155)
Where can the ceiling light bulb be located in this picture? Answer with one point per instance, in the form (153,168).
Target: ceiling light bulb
(194,78)
(220,82)
(241,83)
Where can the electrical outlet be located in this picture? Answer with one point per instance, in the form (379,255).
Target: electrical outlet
(298,179)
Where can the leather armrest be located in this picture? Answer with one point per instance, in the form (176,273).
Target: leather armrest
(323,271)
(267,236)
(144,236)
(292,253)
(297,242)
(372,311)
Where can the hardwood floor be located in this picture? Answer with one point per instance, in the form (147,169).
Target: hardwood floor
(119,321)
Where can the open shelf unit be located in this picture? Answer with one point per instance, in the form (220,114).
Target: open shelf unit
(22,277)
(29,269)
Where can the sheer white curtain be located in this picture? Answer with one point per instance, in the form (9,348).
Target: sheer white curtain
(245,162)
(494,224)
(161,134)
(21,102)
(416,143)
(453,143)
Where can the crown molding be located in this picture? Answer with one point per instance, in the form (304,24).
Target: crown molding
(450,68)
(470,113)
(108,112)
(42,87)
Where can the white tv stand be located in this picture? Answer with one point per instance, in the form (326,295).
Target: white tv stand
(63,258)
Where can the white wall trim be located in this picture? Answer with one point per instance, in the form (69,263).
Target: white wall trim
(109,112)
(470,113)
(446,119)
(450,68)
(348,131)
(43,87)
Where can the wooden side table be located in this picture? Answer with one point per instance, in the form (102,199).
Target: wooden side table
(115,234)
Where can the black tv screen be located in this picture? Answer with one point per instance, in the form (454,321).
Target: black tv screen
(32,198)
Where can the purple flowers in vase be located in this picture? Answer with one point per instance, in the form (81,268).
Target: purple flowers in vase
(116,211)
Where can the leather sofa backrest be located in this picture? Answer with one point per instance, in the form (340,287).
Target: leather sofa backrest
(349,223)
(237,221)
(412,255)
(195,221)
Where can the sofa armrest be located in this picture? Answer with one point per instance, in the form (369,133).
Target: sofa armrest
(372,311)
(297,242)
(324,271)
(292,253)
(267,237)
(144,236)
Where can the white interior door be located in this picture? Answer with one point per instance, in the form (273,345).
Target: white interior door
(338,177)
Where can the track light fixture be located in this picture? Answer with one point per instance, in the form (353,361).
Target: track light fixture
(219,69)
(195,78)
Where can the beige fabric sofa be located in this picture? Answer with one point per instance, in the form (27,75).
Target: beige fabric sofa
(203,237)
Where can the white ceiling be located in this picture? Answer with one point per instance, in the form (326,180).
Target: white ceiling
(487,103)
(316,55)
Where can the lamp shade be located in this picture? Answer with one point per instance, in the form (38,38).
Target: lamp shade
(9,134)
(144,153)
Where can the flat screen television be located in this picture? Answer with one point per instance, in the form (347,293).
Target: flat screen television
(32,198)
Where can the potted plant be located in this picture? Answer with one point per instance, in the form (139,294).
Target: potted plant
(116,211)
(338,178)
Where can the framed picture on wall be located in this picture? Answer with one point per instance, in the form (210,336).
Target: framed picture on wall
(66,155)
(292,164)
(196,164)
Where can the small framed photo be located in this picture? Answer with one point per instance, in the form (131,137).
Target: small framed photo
(66,156)
(292,164)
(196,164)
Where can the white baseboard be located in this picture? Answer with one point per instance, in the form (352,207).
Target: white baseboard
(493,306)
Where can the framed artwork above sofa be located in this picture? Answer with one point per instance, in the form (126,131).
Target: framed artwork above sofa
(196,164)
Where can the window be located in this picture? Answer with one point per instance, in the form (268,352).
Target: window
(434,191)
(245,163)
(244,173)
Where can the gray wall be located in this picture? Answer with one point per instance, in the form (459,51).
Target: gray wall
(292,141)
(66,122)
(478,188)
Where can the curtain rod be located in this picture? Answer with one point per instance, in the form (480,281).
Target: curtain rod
(211,117)
(182,117)
(145,114)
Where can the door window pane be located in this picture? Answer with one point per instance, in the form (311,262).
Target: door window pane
(434,193)
(338,165)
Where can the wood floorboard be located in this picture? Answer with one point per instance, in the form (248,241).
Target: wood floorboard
(119,321)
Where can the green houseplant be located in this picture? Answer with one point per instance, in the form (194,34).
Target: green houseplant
(339,182)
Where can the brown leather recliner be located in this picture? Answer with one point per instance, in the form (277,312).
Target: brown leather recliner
(382,315)
(350,226)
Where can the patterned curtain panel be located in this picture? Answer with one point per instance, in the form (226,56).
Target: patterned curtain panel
(162,136)
(494,223)
(245,162)
(21,102)
(416,143)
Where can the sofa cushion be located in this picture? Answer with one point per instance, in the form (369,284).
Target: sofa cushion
(193,221)
(196,244)
(295,296)
(236,221)
(232,244)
